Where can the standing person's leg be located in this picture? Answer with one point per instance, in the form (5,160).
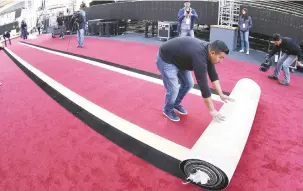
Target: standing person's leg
(9,40)
(242,41)
(22,34)
(53,33)
(60,36)
(81,37)
(187,83)
(169,73)
(78,37)
(4,41)
(63,31)
(192,33)
(289,60)
(246,35)
(278,68)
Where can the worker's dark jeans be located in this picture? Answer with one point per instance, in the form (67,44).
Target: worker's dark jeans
(9,40)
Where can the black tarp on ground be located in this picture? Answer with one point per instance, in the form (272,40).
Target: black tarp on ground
(268,22)
(153,10)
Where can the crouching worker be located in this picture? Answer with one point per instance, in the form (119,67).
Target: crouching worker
(291,53)
(176,59)
(7,36)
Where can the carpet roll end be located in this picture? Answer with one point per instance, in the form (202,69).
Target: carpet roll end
(204,174)
(213,159)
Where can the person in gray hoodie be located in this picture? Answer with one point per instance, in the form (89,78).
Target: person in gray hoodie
(245,24)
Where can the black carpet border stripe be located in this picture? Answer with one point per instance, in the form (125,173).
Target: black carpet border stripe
(126,142)
(150,74)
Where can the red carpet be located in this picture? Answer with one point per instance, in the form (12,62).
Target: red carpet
(272,159)
(142,56)
(44,147)
(117,94)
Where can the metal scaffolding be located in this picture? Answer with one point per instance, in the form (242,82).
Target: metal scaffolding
(229,12)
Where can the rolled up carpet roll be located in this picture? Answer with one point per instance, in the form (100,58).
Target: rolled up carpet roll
(212,161)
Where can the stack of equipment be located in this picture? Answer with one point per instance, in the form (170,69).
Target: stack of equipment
(167,30)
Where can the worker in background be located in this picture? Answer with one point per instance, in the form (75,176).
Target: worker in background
(291,53)
(7,36)
(60,21)
(38,25)
(186,18)
(23,30)
(79,24)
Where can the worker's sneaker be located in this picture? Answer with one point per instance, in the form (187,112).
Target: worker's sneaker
(272,77)
(181,110)
(283,83)
(171,115)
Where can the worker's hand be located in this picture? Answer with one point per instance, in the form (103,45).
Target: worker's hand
(267,56)
(226,98)
(217,116)
(299,63)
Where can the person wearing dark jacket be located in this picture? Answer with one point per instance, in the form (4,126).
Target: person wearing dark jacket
(176,59)
(291,53)
(245,24)
(60,23)
(38,25)
(7,35)
(23,30)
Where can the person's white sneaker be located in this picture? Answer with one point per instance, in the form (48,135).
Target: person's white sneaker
(247,52)
(241,51)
